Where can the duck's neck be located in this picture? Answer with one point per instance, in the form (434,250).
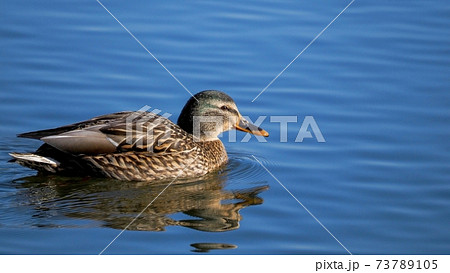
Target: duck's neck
(207,131)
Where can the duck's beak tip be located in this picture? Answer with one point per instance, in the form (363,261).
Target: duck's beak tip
(264,133)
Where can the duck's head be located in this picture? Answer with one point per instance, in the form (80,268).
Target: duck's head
(211,112)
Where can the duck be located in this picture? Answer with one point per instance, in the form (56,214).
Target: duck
(141,145)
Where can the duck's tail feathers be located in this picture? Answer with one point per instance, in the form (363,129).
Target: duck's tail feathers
(36,162)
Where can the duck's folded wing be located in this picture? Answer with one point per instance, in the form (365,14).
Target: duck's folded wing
(148,132)
(81,142)
(100,120)
(133,131)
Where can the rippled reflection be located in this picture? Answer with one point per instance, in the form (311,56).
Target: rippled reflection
(206,247)
(204,205)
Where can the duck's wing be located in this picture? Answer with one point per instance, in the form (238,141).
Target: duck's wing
(146,131)
(100,120)
(119,132)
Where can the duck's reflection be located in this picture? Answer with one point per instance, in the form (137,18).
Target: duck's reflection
(202,205)
(206,247)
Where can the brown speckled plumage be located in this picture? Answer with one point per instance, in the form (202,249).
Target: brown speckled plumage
(205,157)
(137,145)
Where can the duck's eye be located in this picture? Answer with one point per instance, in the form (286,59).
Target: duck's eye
(225,108)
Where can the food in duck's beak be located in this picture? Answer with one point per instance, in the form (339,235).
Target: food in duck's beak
(245,126)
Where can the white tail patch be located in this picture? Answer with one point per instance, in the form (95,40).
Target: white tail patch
(35,158)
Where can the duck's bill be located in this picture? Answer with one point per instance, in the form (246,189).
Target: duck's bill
(245,126)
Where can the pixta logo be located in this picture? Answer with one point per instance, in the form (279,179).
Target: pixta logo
(149,129)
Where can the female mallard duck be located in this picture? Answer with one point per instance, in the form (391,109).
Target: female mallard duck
(141,145)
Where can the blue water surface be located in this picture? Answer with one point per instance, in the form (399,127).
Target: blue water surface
(376,82)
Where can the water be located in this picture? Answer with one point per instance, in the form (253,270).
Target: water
(376,83)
